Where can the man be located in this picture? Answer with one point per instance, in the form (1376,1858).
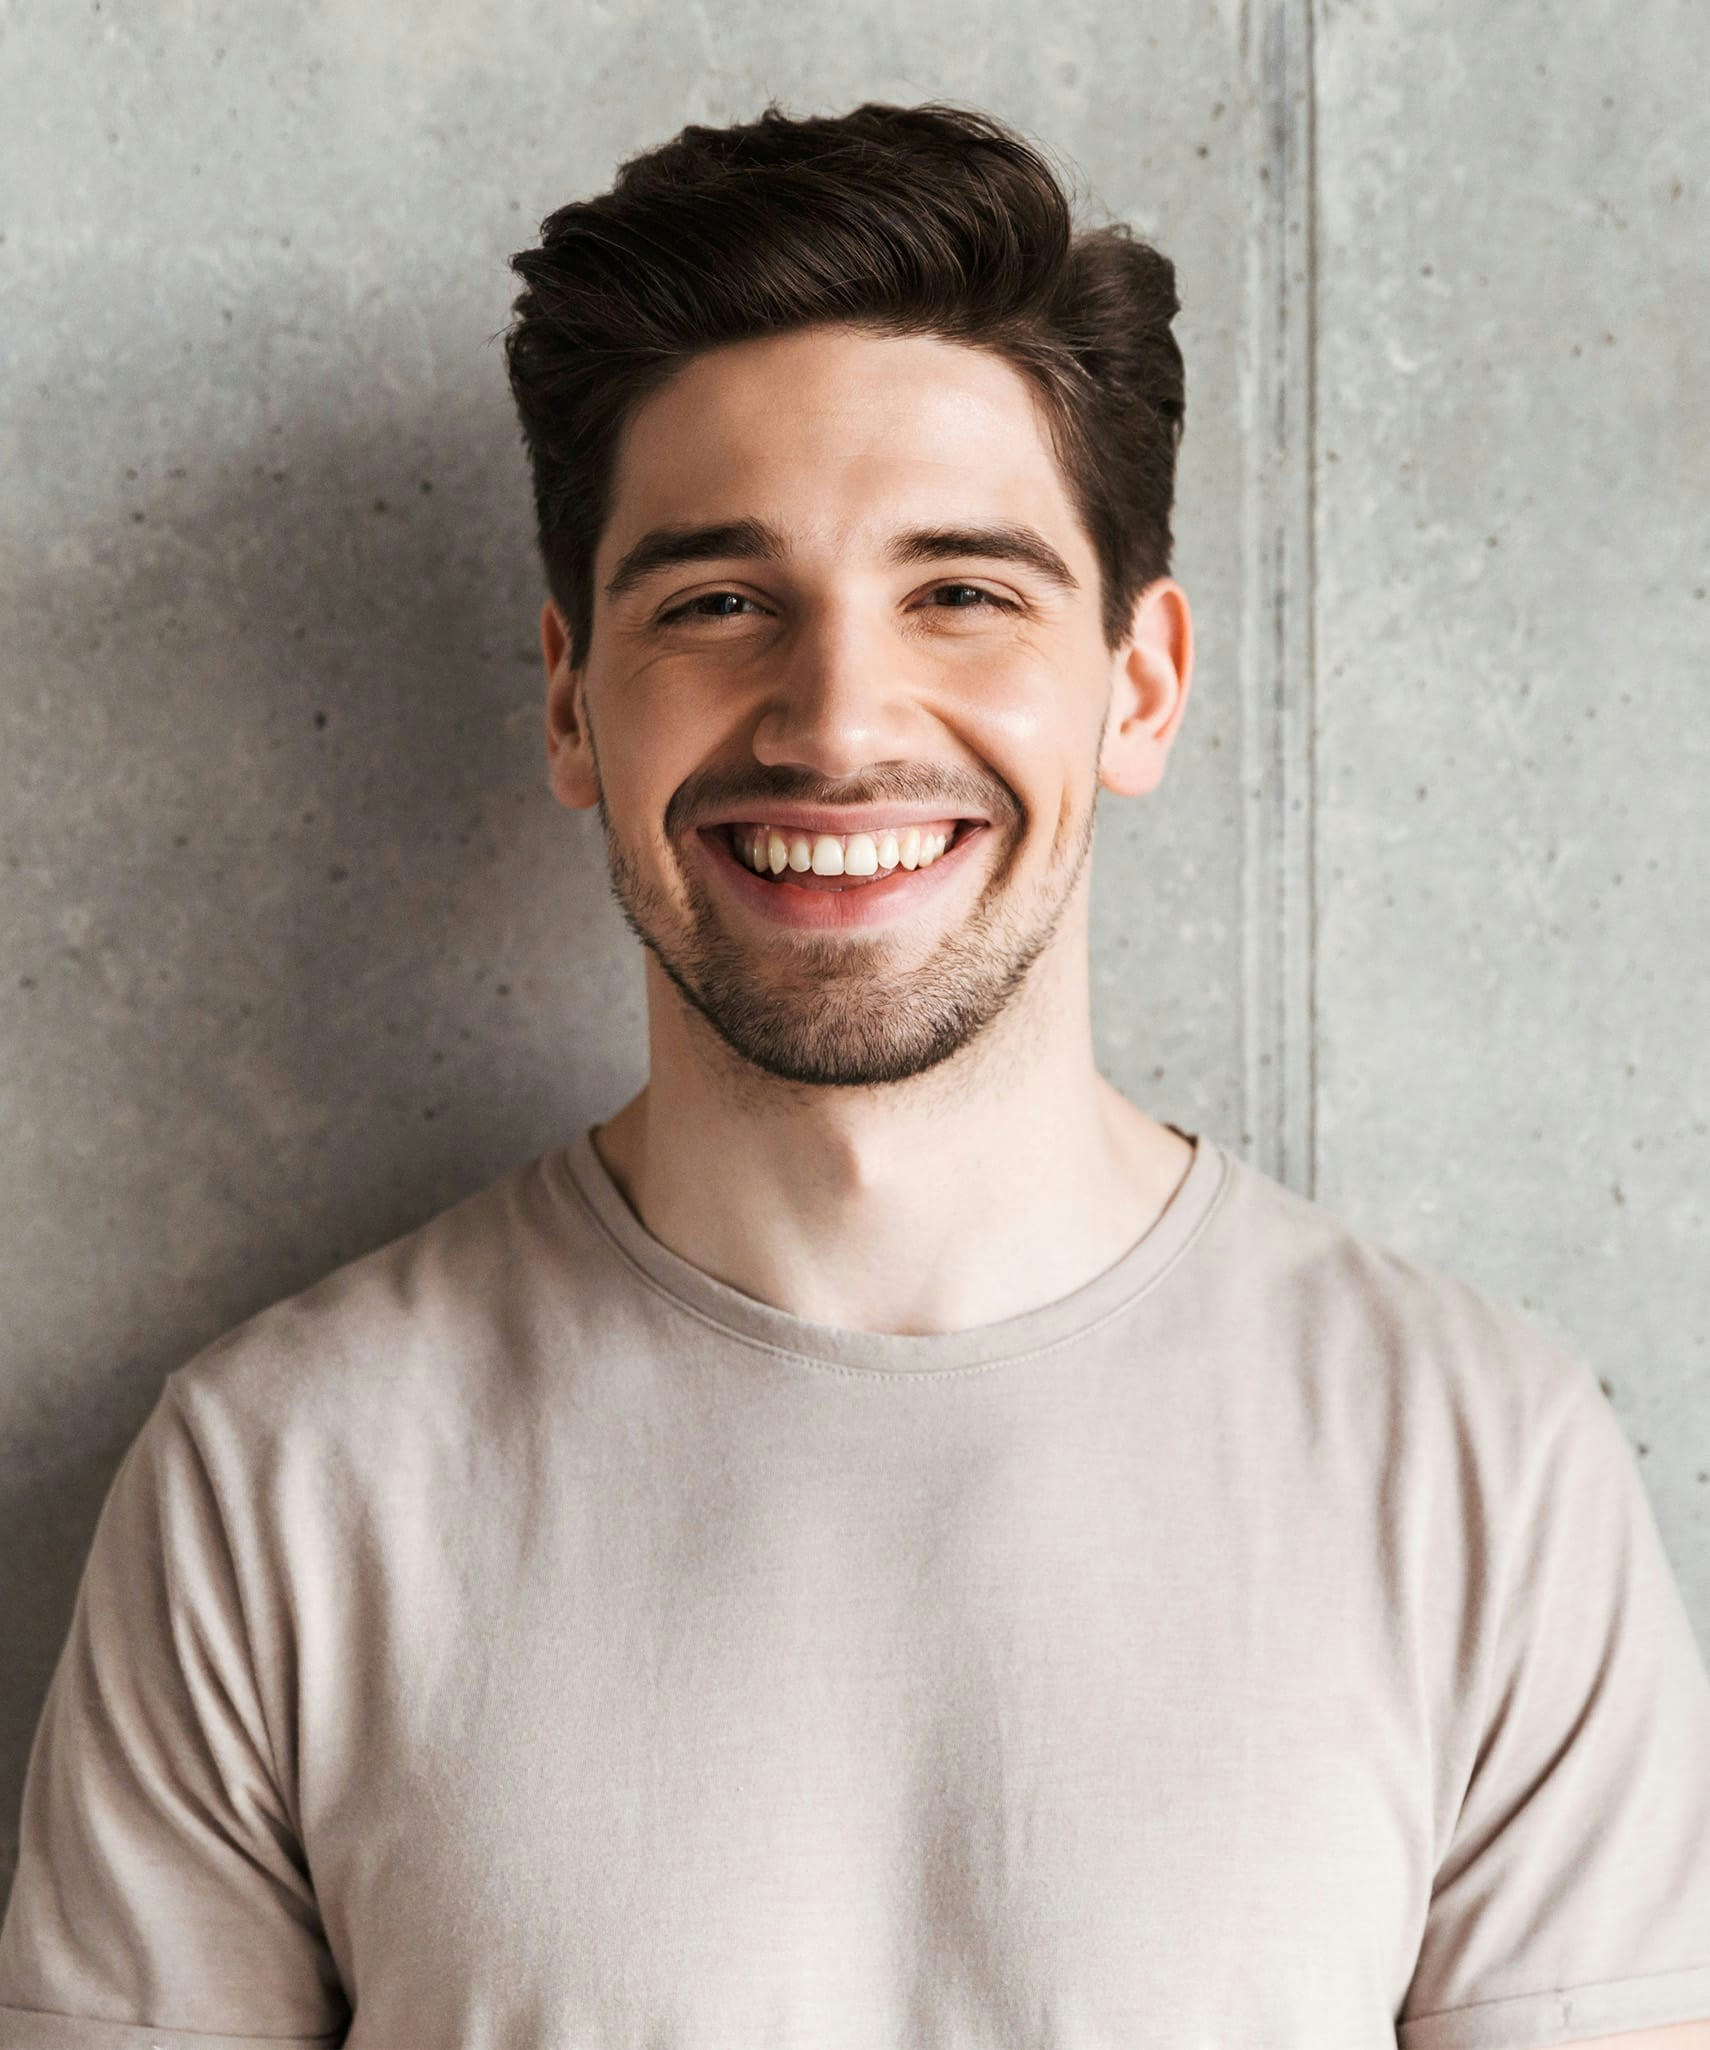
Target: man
(882,1545)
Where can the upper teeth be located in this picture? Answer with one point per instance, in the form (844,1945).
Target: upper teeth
(769,850)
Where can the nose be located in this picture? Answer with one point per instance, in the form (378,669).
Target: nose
(840,700)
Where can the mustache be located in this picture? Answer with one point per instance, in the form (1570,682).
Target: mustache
(899,783)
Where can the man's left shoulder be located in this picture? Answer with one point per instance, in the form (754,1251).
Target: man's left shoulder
(1391,1329)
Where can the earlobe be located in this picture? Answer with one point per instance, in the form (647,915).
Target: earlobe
(1150,675)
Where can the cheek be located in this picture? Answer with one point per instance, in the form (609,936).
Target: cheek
(1040,731)
(649,738)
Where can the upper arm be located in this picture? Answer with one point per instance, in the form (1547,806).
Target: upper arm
(160,1882)
(1572,1901)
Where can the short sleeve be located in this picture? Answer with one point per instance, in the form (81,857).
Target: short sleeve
(162,1900)
(1574,1896)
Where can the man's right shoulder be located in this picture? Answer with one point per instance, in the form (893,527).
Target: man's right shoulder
(469,1294)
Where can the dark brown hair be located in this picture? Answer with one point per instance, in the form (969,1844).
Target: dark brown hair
(895,220)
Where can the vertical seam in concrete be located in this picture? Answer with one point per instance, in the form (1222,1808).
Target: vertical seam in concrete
(1279,712)
(1303,1066)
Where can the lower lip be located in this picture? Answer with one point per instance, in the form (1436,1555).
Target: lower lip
(862,905)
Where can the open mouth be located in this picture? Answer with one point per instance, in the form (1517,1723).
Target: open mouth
(794,878)
(843,861)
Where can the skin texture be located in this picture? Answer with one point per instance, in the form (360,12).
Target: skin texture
(992,1169)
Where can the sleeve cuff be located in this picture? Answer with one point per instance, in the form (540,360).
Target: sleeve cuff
(1569,2014)
(32,2028)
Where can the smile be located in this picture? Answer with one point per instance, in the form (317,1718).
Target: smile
(773,850)
(837,881)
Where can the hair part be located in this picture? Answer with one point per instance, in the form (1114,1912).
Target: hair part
(926,220)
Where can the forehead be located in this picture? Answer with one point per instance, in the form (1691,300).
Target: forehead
(838,436)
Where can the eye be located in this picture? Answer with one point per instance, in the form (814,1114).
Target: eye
(714,605)
(691,608)
(975,590)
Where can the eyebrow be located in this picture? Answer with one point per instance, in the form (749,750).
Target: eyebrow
(670,547)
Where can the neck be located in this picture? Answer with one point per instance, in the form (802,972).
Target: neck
(1001,1180)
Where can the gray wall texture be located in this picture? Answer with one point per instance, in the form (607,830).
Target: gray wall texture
(296,947)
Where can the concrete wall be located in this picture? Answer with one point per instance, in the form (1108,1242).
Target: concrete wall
(296,947)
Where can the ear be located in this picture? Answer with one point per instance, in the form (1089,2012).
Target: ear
(570,767)
(1150,674)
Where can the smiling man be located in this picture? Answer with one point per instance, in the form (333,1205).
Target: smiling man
(846,713)
(880,1544)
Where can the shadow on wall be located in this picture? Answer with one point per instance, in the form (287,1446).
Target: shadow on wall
(299,939)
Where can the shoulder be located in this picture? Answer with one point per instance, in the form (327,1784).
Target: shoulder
(429,1318)
(1438,1360)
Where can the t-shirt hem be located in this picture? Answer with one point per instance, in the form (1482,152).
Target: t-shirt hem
(35,2028)
(1568,2014)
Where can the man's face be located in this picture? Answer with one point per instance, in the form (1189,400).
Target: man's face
(847,756)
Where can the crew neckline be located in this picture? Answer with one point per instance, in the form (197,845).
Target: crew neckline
(756,1323)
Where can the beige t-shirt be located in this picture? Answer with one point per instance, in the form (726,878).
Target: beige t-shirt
(521,1639)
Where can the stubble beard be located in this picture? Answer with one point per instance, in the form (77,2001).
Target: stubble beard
(838,1012)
